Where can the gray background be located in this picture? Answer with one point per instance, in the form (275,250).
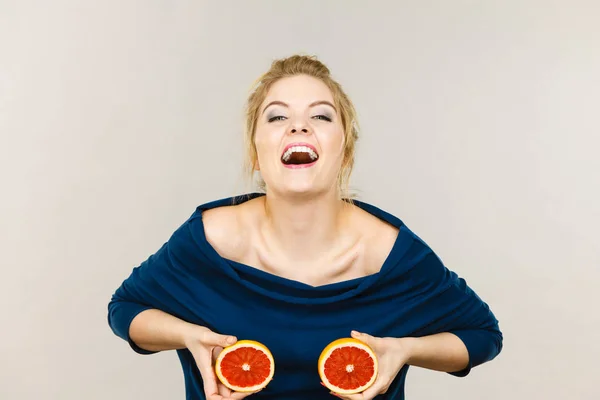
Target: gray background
(480,131)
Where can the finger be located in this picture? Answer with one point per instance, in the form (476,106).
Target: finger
(215,353)
(236,395)
(378,388)
(209,379)
(358,396)
(364,337)
(214,339)
(345,396)
(242,395)
(224,390)
(339,396)
(211,387)
(228,394)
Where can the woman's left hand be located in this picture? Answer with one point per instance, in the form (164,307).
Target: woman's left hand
(392,354)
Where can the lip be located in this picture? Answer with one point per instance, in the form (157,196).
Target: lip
(298,166)
(310,146)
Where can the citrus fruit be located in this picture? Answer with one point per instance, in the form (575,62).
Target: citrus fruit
(347,366)
(246,366)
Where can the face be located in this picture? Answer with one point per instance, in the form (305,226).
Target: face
(299,137)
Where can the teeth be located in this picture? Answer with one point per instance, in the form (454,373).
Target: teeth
(299,149)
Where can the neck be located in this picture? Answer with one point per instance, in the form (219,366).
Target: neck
(303,228)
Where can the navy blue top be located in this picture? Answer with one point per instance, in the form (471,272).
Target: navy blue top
(413,294)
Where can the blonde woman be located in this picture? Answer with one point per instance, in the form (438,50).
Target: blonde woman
(298,265)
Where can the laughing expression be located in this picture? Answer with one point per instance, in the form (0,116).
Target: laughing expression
(299,137)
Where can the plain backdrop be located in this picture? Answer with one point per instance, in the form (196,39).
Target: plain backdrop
(480,129)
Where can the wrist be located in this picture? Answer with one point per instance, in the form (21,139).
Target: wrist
(409,348)
(189,333)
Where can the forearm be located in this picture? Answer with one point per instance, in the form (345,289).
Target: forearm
(440,352)
(155,330)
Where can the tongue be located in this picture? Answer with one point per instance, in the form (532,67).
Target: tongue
(299,158)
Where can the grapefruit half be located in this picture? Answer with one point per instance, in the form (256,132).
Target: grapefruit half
(246,366)
(348,366)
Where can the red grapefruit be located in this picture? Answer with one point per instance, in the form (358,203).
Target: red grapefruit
(246,366)
(348,366)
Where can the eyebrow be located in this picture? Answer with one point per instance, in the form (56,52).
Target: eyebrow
(314,103)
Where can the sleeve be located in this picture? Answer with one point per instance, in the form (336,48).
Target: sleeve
(478,329)
(151,285)
(450,305)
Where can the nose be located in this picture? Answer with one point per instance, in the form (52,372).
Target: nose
(294,130)
(298,124)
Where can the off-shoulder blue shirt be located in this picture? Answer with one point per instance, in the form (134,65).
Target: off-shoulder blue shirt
(413,294)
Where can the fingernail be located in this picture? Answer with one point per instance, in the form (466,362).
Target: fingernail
(230,340)
(355,333)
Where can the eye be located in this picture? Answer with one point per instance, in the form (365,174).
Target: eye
(323,118)
(276,118)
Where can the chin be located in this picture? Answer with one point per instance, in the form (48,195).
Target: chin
(299,189)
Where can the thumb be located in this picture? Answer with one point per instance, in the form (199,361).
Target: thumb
(211,338)
(368,339)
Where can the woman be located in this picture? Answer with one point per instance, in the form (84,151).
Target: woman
(300,265)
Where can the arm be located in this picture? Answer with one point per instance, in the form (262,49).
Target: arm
(443,352)
(134,311)
(154,330)
(445,326)
(149,310)
(156,308)
(461,324)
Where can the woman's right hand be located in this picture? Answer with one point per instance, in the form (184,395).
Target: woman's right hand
(205,345)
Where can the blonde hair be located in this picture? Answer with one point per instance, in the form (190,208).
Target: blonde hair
(292,66)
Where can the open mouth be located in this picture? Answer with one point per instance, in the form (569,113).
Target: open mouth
(299,155)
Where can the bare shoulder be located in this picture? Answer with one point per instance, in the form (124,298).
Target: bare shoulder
(379,238)
(225,231)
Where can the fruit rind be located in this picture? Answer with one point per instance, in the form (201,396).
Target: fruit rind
(235,346)
(341,343)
